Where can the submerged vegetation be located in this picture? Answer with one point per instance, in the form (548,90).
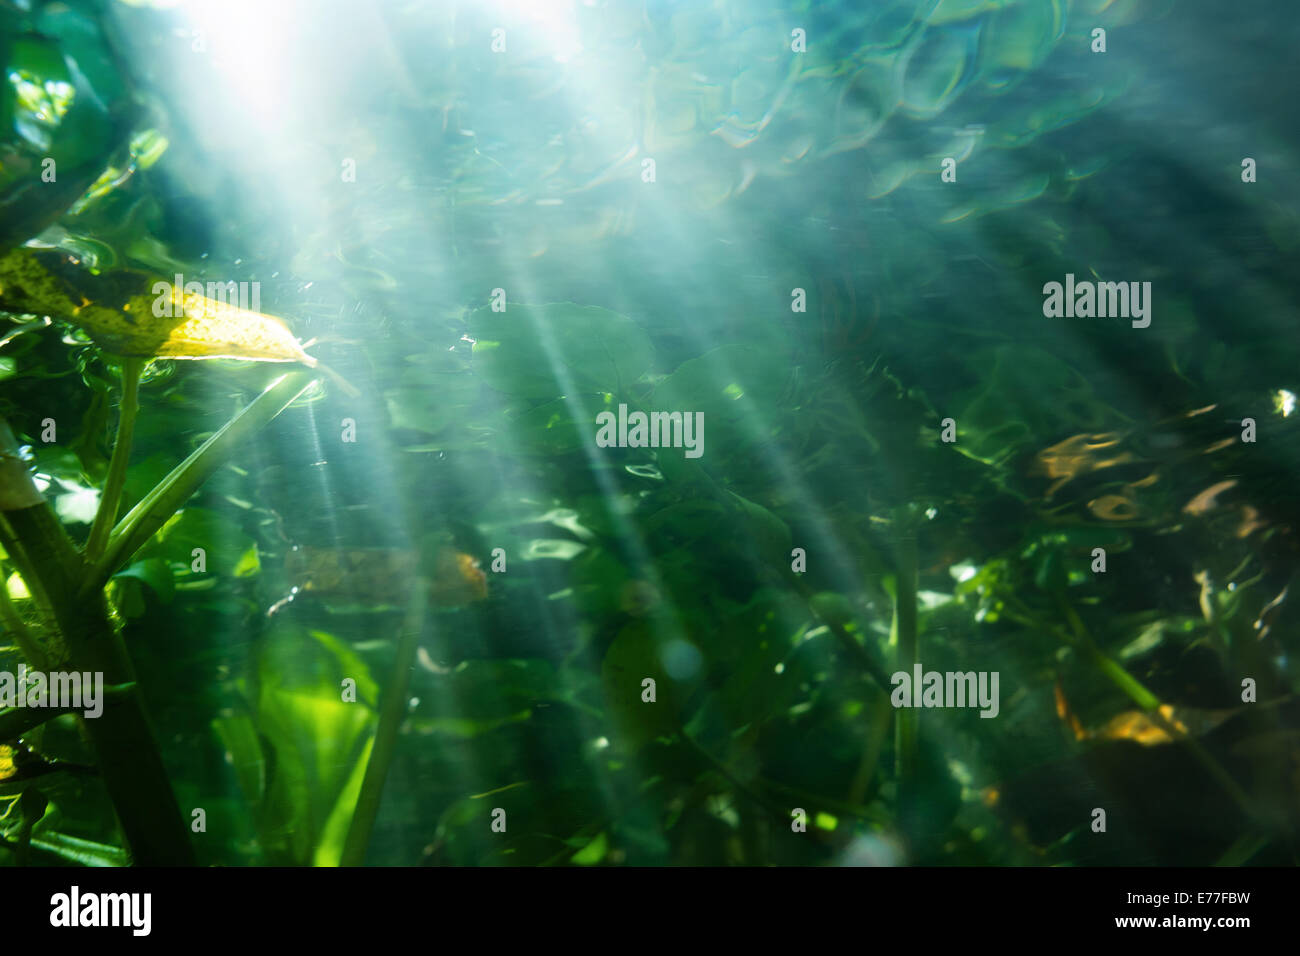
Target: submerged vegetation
(445,607)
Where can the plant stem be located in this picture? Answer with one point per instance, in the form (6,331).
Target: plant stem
(84,637)
(109,501)
(126,750)
(864,658)
(392,713)
(876,734)
(15,625)
(155,508)
(1150,703)
(1118,676)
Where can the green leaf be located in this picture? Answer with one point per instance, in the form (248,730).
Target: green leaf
(593,853)
(318,738)
(160,504)
(637,653)
(330,849)
(51,111)
(83,852)
(238,735)
(225,546)
(738,389)
(1027,397)
(154,572)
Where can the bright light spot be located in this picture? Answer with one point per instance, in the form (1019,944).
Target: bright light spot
(780,668)
(17,589)
(962,572)
(931,513)
(45,103)
(558,548)
(553,22)
(1284,402)
(79,504)
(825,821)
(249,43)
(930,600)
(600,743)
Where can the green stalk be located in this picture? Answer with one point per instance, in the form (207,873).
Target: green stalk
(126,750)
(1113,670)
(876,734)
(391,715)
(154,510)
(863,658)
(17,721)
(1150,703)
(111,499)
(85,639)
(15,625)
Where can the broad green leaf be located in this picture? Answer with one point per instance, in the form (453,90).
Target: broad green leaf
(637,653)
(317,736)
(739,391)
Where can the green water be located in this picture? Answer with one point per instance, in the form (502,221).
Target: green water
(822,236)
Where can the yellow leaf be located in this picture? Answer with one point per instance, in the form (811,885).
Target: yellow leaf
(1140,727)
(199,328)
(130,313)
(1145,729)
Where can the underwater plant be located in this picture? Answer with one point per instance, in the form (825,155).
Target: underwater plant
(716,490)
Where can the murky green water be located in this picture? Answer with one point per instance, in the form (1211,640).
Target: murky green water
(823,237)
